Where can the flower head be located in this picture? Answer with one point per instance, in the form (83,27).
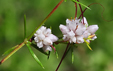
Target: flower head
(44,38)
(77,30)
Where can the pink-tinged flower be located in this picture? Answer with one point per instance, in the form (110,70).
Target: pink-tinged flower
(44,38)
(89,34)
(77,30)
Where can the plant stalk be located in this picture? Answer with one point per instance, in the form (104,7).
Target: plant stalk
(63,56)
(45,19)
(9,55)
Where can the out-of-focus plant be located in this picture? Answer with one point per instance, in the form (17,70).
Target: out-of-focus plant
(75,31)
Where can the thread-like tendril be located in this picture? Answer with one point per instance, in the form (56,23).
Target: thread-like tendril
(101,13)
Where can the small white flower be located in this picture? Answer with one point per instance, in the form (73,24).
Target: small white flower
(89,34)
(76,31)
(85,21)
(45,48)
(92,29)
(44,38)
(80,39)
(64,29)
(80,29)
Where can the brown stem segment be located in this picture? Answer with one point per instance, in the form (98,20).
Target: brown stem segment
(81,12)
(101,13)
(75,10)
(53,48)
(16,49)
(54,9)
(45,19)
(80,9)
(63,56)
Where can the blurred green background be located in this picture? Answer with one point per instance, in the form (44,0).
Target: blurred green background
(12,33)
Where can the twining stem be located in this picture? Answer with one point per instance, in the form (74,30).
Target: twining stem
(75,10)
(16,49)
(101,13)
(80,9)
(53,48)
(63,56)
(45,19)
(26,39)
(81,12)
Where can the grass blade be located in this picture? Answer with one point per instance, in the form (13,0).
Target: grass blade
(72,54)
(10,50)
(34,56)
(15,50)
(81,4)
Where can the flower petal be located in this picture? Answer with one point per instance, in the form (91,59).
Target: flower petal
(47,48)
(85,21)
(81,28)
(71,24)
(64,29)
(47,41)
(53,38)
(41,36)
(80,39)
(40,44)
(86,34)
(93,28)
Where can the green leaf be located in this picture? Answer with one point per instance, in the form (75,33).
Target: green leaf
(40,49)
(48,55)
(10,54)
(87,43)
(65,0)
(81,4)
(56,54)
(72,54)
(10,50)
(89,47)
(56,51)
(51,28)
(34,56)
(36,47)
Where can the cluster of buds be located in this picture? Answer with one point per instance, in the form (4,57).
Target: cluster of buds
(75,31)
(44,38)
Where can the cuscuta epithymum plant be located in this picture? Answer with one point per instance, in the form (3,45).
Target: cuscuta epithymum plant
(41,35)
(76,31)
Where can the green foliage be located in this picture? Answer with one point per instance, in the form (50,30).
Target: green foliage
(12,32)
(10,50)
(81,4)
(34,56)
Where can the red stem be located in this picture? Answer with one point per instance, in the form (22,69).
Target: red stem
(101,13)
(53,48)
(80,10)
(16,49)
(54,8)
(75,10)
(45,19)
(63,57)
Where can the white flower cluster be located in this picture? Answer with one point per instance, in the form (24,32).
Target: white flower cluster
(77,30)
(44,38)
